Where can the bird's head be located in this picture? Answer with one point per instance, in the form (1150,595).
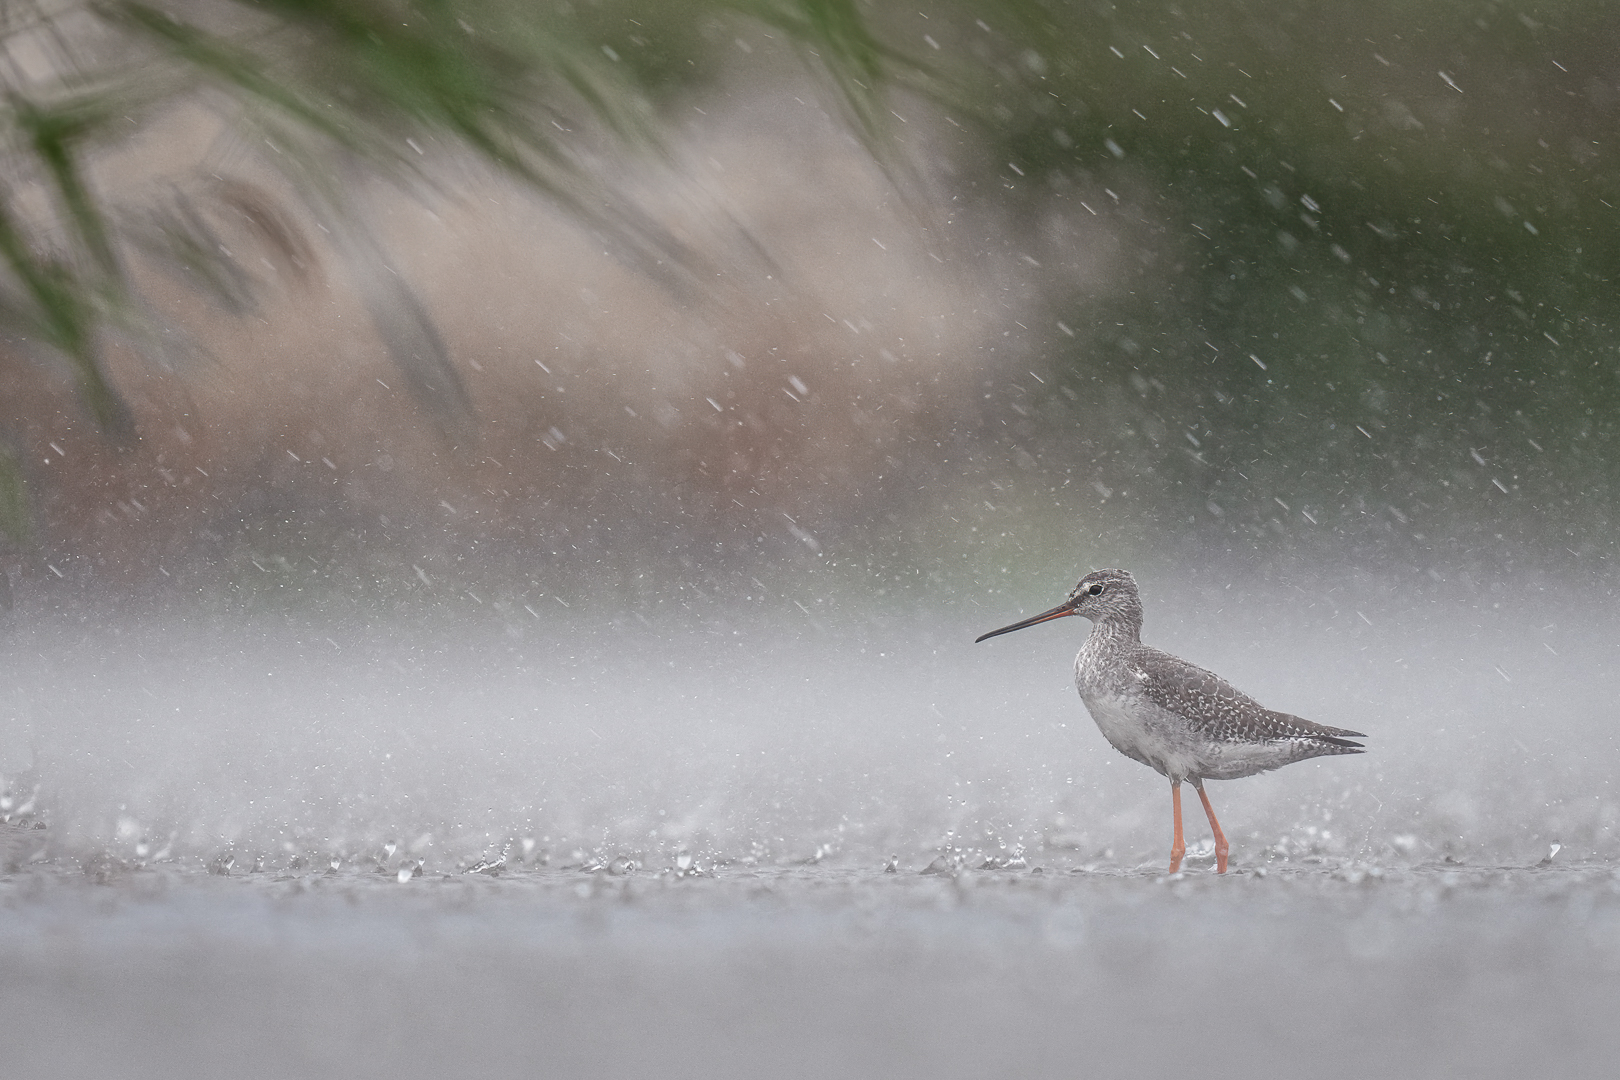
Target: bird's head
(1101,595)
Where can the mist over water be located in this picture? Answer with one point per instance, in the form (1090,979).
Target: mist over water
(763,735)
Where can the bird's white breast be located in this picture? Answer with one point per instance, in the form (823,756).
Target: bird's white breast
(1119,724)
(1141,730)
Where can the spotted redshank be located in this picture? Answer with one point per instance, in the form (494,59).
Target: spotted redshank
(1188,723)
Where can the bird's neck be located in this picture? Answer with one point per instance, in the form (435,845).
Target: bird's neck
(1116,631)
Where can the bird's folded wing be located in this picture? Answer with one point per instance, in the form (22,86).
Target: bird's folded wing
(1217,709)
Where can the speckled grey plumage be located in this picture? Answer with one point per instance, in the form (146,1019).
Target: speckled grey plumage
(1185,722)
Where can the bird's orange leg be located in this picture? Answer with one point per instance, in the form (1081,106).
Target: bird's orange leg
(1178,846)
(1221,847)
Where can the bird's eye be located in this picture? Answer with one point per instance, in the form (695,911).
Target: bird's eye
(1095,590)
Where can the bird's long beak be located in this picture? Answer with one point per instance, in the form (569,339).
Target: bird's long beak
(1045,616)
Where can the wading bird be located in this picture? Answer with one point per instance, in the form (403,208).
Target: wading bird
(1188,723)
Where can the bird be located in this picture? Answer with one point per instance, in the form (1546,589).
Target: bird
(1187,723)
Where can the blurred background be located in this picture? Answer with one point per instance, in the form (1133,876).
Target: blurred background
(798,331)
(607,298)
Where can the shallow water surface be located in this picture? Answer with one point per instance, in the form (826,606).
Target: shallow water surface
(831,845)
(812,971)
